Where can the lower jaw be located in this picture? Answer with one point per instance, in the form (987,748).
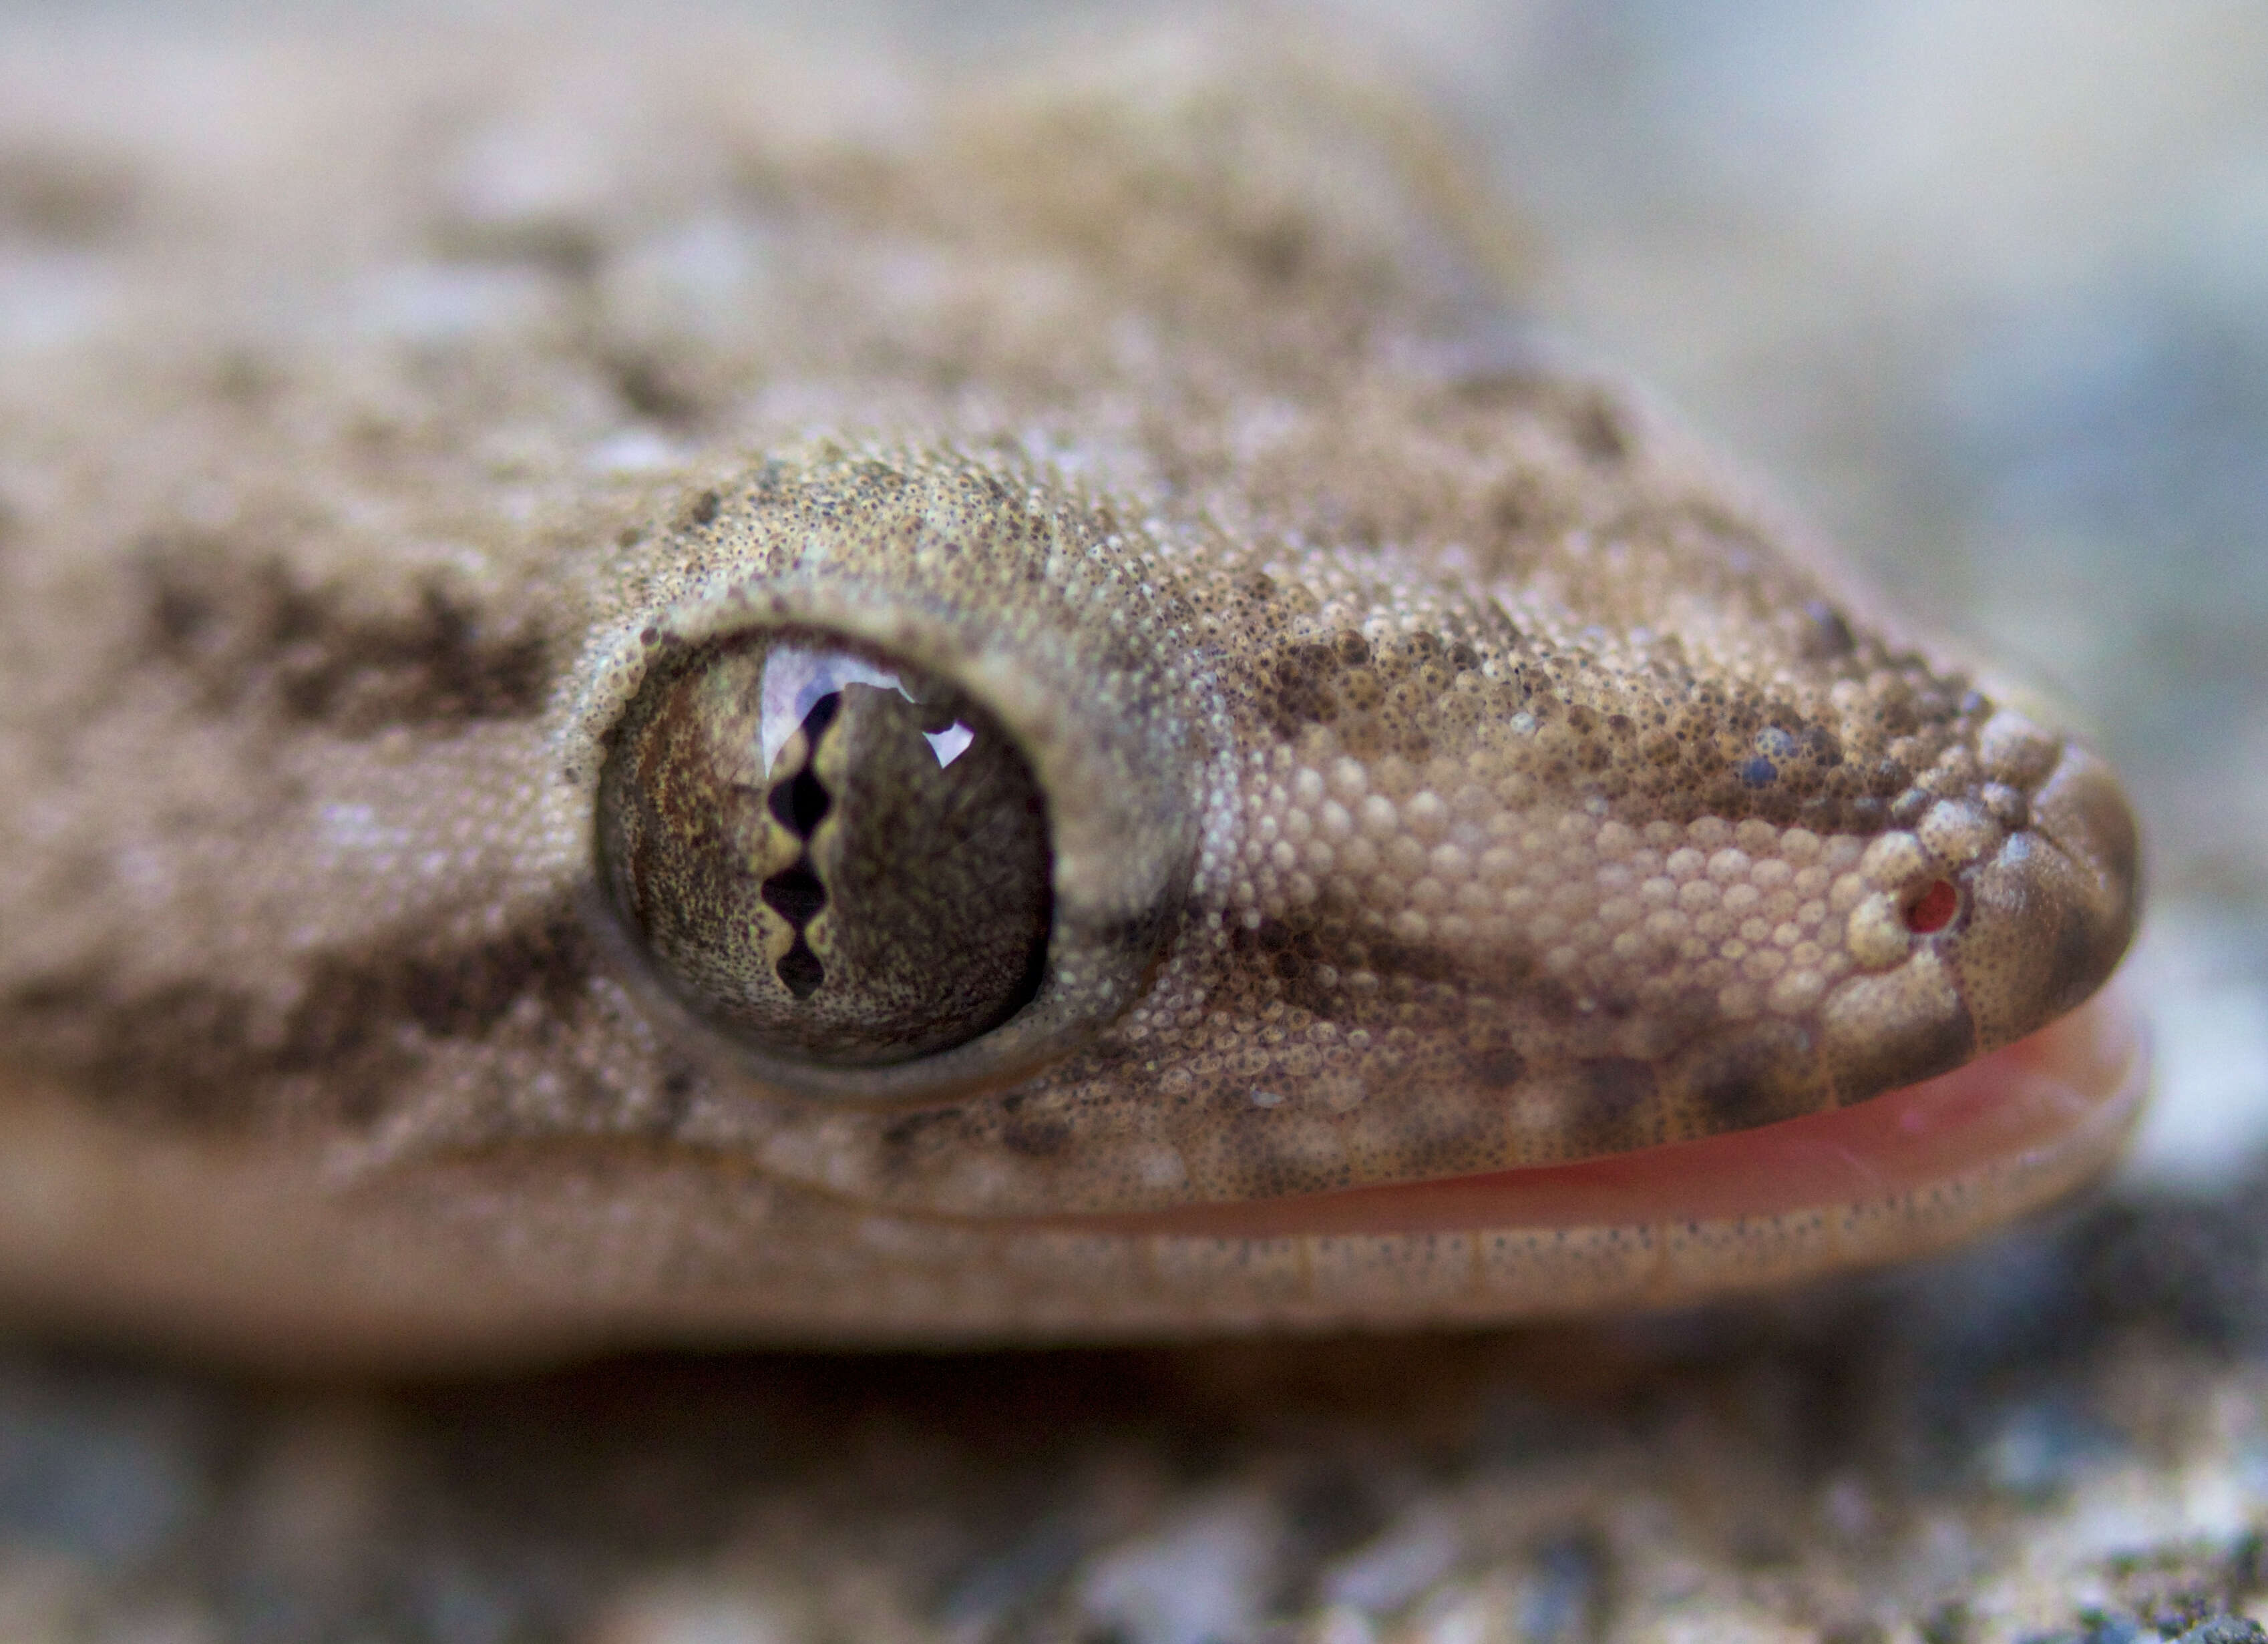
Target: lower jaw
(1938,1160)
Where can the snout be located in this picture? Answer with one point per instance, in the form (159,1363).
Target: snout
(1989,918)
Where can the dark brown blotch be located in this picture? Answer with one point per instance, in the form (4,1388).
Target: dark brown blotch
(195,1055)
(1615,1107)
(249,634)
(1769,1073)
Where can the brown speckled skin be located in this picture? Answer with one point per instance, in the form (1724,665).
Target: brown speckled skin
(1448,767)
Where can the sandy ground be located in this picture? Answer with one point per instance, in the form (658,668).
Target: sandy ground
(1983,286)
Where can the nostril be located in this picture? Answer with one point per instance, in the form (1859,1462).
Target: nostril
(1933,909)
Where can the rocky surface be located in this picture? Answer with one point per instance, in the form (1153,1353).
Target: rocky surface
(1985,285)
(2064,1436)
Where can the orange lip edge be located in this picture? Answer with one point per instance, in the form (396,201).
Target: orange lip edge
(2055,1106)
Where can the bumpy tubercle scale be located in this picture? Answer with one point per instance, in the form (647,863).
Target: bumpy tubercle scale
(1446,766)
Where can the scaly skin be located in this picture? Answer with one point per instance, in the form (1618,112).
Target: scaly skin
(1447,769)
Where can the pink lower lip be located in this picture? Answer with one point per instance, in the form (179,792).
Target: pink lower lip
(2051,1108)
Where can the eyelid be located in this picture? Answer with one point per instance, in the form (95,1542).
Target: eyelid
(921,563)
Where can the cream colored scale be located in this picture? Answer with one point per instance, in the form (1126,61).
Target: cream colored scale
(894,715)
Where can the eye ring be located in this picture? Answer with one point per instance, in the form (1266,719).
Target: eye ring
(980,582)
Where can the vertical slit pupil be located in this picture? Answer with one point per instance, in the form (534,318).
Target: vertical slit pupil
(796,893)
(801,803)
(799,971)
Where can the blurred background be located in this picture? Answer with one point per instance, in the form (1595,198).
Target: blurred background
(1979,285)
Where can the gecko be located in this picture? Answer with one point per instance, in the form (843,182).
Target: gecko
(700,693)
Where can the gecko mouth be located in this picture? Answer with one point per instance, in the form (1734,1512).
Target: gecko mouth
(1908,1170)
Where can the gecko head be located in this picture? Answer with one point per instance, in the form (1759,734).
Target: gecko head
(1031,861)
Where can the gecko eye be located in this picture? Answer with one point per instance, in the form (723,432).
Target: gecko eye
(835,857)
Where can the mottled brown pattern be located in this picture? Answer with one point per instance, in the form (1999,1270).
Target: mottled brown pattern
(1445,767)
(245,638)
(195,1054)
